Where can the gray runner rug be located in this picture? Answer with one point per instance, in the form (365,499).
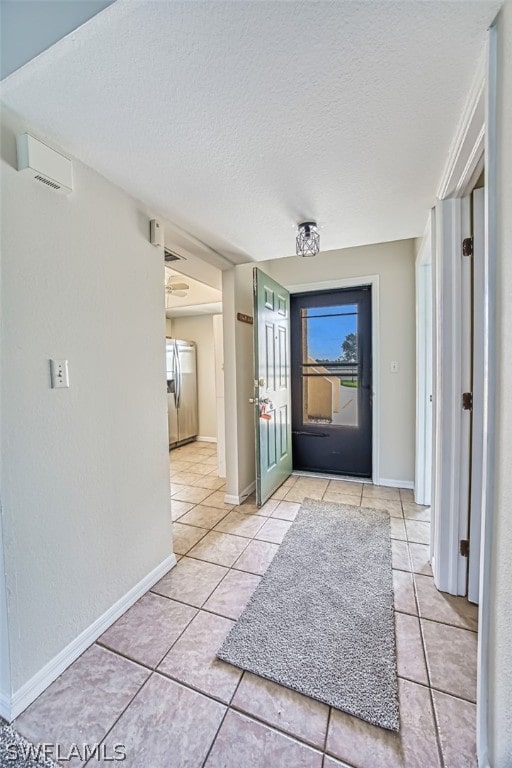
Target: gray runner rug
(321,619)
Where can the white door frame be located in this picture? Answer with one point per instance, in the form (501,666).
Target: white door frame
(424,382)
(356,282)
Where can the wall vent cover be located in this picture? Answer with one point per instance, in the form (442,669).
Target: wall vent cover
(172,256)
(47,181)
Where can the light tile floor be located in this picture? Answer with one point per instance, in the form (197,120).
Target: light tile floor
(152,681)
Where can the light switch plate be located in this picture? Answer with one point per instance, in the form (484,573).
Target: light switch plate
(394,366)
(59,374)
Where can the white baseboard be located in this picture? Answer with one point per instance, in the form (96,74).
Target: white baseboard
(233,499)
(396,483)
(201,439)
(28,692)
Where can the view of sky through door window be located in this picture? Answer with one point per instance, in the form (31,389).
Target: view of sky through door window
(330,365)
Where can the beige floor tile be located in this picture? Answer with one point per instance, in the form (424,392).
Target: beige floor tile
(241,524)
(345,487)
(283,708)
(177,465)
(191,581)
(354,501)
(330,762)
(175,487)
(220,548)
(167,726)
(280,493)
(232,594)
(403,587)
(257,557)
(406,494)
(457,730)
(185,536)
(216,499)
(380,492)
(409,646)
(286,510)
(366,746)
(420,557)
(190,493)
(244,743)
(397,528)
(416,512)
(386,505)
(273,530)
(193,658)
(451,658)
(84,702)
(311,483)
(148,629)
(201,468)
(211,482)
(400,555)
(184,479)
(418,531)
(298,494)
(203,517)
(178,508)
(440,606)
(290,481)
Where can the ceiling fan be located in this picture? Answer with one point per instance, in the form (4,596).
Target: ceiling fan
(173,287)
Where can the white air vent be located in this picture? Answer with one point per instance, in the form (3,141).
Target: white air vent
(44,163)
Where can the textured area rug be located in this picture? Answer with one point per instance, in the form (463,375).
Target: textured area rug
(321,619)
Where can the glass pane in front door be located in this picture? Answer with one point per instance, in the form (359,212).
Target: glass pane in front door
(332,381)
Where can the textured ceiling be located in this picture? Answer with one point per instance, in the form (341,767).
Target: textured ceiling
(235,120)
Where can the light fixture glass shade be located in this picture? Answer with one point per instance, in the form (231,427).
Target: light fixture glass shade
(307,242)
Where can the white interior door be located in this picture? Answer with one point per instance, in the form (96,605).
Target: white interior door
(477,501)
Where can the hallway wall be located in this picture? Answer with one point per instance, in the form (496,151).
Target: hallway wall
(84,475)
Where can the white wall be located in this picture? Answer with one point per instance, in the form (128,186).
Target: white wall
(84,475)
(199,328)
(500,654)
(395,264)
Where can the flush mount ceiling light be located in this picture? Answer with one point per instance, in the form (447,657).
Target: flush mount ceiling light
(307,242)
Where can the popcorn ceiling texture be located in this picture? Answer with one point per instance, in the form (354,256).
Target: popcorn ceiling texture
(237,120)
(321,620)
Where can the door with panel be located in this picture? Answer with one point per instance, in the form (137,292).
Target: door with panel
(272,393)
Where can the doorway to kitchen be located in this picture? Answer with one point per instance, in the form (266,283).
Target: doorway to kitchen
(331,365)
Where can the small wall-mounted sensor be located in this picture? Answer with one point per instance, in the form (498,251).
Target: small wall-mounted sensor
(47,166)
(156,233)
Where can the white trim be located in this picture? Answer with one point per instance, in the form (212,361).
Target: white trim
(468,144)
(357,282)
(423,470)
(389,483)
(234,499)
(44,677)
(489,415)
(201,439)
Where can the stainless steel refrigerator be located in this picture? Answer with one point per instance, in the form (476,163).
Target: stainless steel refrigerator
(181,391)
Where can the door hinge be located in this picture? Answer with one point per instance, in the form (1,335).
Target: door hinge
(467,246)
(464,547)
(467,401)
